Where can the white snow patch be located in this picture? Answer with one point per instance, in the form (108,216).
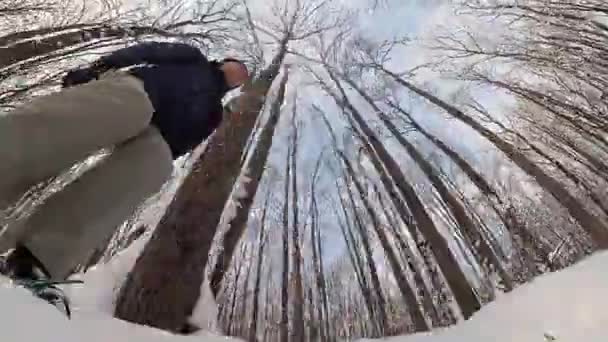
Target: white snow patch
(102,282)
(566,306)
(93,305)
(27,318)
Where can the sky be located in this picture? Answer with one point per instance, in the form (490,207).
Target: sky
(392,18)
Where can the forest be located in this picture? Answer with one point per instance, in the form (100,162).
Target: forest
(391,166)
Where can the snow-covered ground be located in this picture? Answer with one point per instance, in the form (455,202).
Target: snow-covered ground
(566,306)
(571,305)
(26,318)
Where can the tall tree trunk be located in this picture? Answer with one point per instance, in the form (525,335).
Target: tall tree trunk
(464,294)
(14,37)
(298,302)
(558,164)
(589,222)
(164,285)
(268,307)
(255,167)
(380,308)
(482,184)
(465,224)
(317,258)
(569,146)
(358,264)
(323,288)
(262,239)
(314,323)
(284,324)
(244,300)
(234,301)
(424,293)
(407,292)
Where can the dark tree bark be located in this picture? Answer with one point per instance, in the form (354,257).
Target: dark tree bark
(268,308)
(256,167)
(298,334)
(234,298)
(323,287)
(317,258)
(314,323)
(284,324)
(424,293)
(244,301)
(262,240)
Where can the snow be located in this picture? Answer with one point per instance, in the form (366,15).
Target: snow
(26,318)
(566,306)
(103,282)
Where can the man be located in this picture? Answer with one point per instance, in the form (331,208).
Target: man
(166,104)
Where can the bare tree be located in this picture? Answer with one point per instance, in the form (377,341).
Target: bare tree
(255,166)
(382,160)
(262,240)
(298,333)
(547,42)
(358,262)
(406,290)
(284,324)
(467,226)
(317,257)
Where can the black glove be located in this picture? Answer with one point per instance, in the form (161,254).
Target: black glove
(84,75)
(79,76)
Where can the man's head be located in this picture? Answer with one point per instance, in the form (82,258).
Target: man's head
(235,72)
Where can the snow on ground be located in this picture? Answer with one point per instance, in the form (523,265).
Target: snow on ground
(26,318)
(103,282)
(566,306)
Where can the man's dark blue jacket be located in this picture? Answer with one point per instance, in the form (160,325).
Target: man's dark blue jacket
(185,89)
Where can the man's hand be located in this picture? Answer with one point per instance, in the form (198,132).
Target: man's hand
(79,76)
(84,75)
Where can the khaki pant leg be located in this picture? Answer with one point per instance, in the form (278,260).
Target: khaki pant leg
(73,222)
(46,136)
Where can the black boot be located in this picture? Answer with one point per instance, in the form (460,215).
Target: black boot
(27,271)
